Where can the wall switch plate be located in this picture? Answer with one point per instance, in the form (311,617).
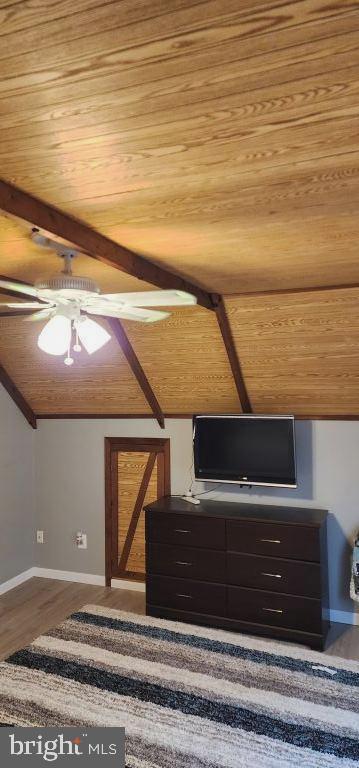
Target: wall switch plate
(39,537)
(81,540)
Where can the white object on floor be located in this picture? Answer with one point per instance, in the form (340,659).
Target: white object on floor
(327,670)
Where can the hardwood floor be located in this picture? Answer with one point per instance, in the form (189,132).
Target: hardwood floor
(32,608)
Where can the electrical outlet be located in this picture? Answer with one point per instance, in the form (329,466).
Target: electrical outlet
(39,537)
(81,540)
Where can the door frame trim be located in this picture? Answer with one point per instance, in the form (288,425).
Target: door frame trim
(157,445)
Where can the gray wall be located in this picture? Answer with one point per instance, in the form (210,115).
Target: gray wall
(70,484)
(70,487)
(16,490)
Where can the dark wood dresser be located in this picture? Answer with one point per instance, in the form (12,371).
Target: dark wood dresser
(253,568)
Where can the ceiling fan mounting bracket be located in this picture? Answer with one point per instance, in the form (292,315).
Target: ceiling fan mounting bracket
(67,257)
(61,250)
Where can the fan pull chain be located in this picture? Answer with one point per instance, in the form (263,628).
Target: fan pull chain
(69,360)
(77,347)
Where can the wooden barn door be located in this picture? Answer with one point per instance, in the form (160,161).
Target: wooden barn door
(137,472)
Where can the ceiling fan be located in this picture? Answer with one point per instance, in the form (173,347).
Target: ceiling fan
(66,301)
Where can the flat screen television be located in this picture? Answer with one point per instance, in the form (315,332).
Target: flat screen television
(249,450)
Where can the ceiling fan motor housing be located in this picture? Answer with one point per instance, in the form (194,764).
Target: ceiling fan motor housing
(63,282)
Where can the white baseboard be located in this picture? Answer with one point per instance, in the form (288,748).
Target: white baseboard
(136,586)
(87,578)
(80,578)
(344,617)
(16,580)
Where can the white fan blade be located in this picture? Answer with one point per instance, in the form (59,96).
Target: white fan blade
(29,290)
(152,298)
(42,315)
(126,313)
(26,305)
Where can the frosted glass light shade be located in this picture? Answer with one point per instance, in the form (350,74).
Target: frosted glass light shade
(92,335)
(55,337)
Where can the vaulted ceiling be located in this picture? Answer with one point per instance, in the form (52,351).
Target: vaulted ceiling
(219,139)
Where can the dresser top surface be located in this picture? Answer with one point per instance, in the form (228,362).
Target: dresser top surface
(240,511)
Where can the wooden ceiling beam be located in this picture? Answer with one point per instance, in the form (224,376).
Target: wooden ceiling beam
(233,358)
(15,312)
(13,280)
(290,291)
(15,294)
(299,416)
(17,397)
(136,367)
(8,292)
(23,205)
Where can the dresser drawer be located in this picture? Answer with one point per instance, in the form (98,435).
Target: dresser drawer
(186,562)
(292,576)
(274,539)
(274,609)
(186,530)
(186,595)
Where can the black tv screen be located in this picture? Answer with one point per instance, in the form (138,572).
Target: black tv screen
(250,450)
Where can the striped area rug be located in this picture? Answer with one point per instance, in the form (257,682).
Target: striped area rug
(188,697)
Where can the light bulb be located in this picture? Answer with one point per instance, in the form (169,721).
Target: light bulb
(92,335)
(55,337)
(68,361)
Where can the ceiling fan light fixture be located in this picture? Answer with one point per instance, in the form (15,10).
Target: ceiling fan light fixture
(55,337)
(92,335)
(65,300)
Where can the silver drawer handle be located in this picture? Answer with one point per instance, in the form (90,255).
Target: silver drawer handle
(271,541)
(273,575)
(273,610)
(182,562)
(179,594)
(181,530)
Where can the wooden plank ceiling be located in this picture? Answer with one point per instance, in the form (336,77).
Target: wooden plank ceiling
(299,351)
(184,359)
(220,140)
